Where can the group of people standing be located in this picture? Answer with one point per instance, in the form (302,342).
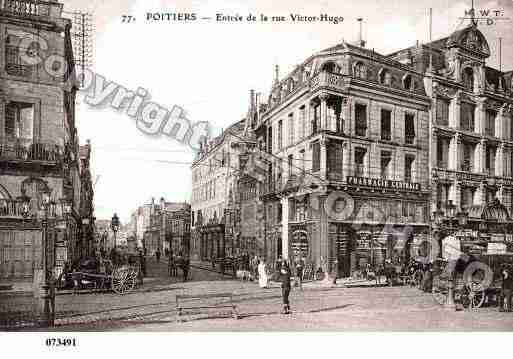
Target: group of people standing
(179,261)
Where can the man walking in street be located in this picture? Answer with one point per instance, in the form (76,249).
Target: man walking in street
(157,255)
(285,286)
(299,272)
(185,267)
(507,289)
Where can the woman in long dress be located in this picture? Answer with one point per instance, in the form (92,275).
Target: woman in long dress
(262,275)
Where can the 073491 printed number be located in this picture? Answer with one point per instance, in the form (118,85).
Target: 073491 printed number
(61,342)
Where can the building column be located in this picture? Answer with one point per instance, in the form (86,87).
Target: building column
(434,149)
(346,159)
(500,169)
(285,227)
(480,117)
(324,157)
(346,115)
(324,111)
(324,242)
(481,156)
(454,112)
(455,153)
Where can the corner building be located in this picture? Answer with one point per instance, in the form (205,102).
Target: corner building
(351,120)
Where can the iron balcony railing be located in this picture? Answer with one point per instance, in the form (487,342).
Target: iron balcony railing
(26,150)
(21,7)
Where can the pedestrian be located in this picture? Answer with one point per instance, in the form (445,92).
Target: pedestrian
(285,286)
(263,280)
(171,264)
(142,265)
(157,255)
(185,268)
(299,272)
(507,289)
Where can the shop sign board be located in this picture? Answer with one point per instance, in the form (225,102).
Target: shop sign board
(383,183)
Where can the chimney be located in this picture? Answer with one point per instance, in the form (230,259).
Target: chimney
(361,42)
(276,74)
(252,100)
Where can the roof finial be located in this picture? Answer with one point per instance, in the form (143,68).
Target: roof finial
(276,73)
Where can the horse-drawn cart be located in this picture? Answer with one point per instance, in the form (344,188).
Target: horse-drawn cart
(476,280)
(121,279)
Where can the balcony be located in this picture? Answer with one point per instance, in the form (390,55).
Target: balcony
(409,139)
(466,166)
(25,7)
(386,135)
(11,208)
(359,170)
(326,79)
(20,150)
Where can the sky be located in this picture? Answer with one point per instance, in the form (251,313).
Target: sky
(208,68)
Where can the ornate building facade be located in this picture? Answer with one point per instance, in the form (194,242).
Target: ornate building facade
(346,128)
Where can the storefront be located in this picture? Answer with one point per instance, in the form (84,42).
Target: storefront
(212,242)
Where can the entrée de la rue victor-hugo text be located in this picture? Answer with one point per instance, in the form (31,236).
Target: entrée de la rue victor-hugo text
(222,17)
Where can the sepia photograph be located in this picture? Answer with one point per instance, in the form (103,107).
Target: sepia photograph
(243,166)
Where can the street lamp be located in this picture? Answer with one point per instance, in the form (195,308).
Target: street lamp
(114,225)
(46,303)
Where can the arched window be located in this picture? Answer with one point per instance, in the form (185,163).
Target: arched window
(468,78)
(407,82)
(385,78)
(331,67)
(360,71)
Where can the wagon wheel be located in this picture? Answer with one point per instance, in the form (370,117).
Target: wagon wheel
(473,296)
(123,280)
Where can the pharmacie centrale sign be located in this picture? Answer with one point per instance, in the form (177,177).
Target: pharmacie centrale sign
(383,183)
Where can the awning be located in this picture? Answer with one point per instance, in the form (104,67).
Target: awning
(493,211)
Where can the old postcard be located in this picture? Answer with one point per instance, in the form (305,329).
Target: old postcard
(191,166)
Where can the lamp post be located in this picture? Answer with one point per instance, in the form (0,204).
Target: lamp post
(114,225)
(462,218)
(45,294)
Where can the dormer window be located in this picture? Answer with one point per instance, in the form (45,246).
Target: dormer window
(468,78)
(360,71)
(407,82)
(385,78)
(330,67)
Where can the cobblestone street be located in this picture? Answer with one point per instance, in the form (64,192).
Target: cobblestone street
(152,308)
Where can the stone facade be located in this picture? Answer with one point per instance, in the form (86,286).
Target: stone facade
(38,141)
